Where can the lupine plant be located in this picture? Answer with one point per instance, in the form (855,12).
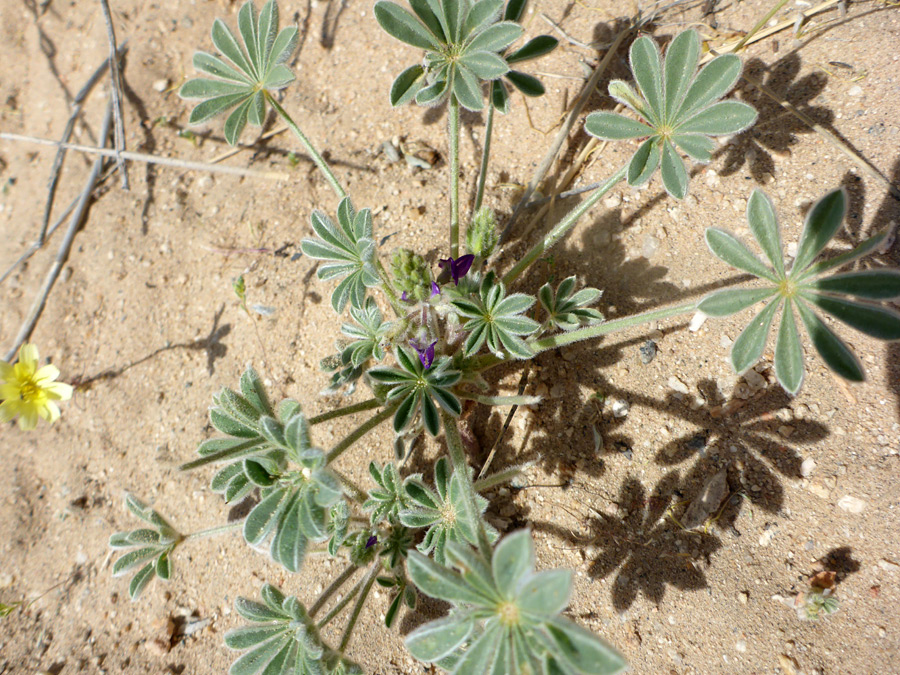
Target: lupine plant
(413,534)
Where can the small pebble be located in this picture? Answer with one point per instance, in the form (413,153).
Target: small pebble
(807,467)
(161,85)
(648,351)
(619,407)
(851,504)
(697,320)
(677,385)
(855,90)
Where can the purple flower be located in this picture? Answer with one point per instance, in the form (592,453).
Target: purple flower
(435,289)
(426,354)
(458,267)
(404,297)
(371,541)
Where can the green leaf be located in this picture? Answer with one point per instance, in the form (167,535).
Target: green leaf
(480,14)
(584,650)
(729,249)
(257,659)
(547,593)
(467,89)
(205,88)
(499,97)
(236,122)
(764,226)
(215,106)
(870,284)
(496,37)
(429,18)
(622,92)
(250,636)
(732,300)
(257,612)
(430,417)
(822,223)
(437,639)
(534,48)
(749,345)
(485,65)
(644,162)
(280,77)
(714,81)
(140,581)
(433,93)
(480,656)
(253,390)
(403,26)
(405,412)
(720,119)
(163,567)
(674,175)
(289,544)
(512,561)
(248,28)
(407,85)
(614,127)
(831,348)
(454,15)
(441,583)
(284,45)
(864,248)
(226,43)
(680,64)
(265,515)
(528,85)
(878,322)
(514,10)
(645,65)
(132,559)
(696,146)
(789,352)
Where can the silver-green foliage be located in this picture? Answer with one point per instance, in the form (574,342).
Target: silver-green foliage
(505,617)
(254,68)
(150,547)
(282,639)
(349,251)
(677,107)
(463,43)
(851,297)
(567,309)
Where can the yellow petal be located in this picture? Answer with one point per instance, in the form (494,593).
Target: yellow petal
(59,391)
(9,390)
(48,372)
(28,356)
(28,417)
(49,411)
(7,372)
(8,410)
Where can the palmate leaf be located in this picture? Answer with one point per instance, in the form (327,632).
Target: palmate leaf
(146,548)
(256,68)
(677,108)
(504,616)
(851,297)
(348,251)
(566,309)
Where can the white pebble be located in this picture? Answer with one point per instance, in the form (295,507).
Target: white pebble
(697,320)
(619,407)
(855,90)
(851,504)
(677,385)
(807,467)
(161,85)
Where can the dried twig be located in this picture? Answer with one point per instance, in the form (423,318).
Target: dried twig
(74,222)
(152,159)
(61,152)
(541,171)
(116,94)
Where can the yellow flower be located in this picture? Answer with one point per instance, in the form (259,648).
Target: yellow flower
(29,391)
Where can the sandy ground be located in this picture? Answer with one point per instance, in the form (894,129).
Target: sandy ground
(143,318)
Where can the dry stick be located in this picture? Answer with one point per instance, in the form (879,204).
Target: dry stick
(116,94)
(38,306)
(861,162)
(240,148)
(61,152)
(152,159)
(523,382)
(541,171)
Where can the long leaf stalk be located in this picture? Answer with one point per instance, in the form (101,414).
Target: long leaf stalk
(359,432)
(454,177)
(485,158)
(213,531)
(486,361)
(357,608)
(333,588)
(313,153)
(368,404)
(342,603)
(562,227)
(461,468)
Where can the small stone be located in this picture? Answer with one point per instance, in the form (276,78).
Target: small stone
(855,90)
(697,321)
(792,249)
(612,201)
(707,502)
(766,537)
(743,597)
(819,490)
(807,467)
(755,381)
(785,430)
(619,408)
(851,504)
(161,85)
(741,646)
(724,342)
(650,246)
(648,351)
(677,385)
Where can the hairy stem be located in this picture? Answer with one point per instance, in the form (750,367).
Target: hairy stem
(213,531)
(339,607)
(313,153)
(359,432)
(388,287)
(486,361)
(333,588)
(346,410)
(562,227)
(454,177)
(485,156)
(357,608)
(461,468)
